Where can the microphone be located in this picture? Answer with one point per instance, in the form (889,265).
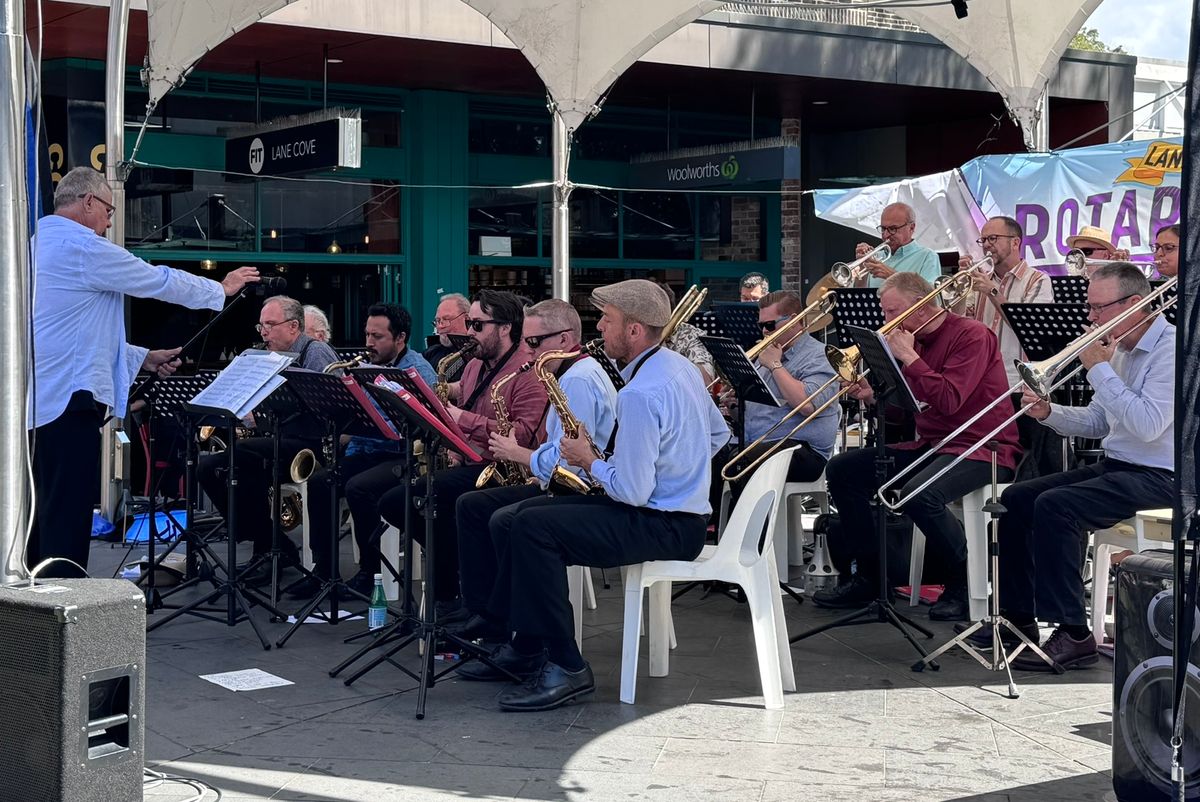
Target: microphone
(272,284)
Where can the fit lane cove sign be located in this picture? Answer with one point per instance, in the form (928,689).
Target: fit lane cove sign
(722,169)
(323,145)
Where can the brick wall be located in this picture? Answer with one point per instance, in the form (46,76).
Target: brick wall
(745,240)
(790,217)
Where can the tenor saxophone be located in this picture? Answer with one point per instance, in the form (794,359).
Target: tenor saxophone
(563,481)
(505,472)
(442,388)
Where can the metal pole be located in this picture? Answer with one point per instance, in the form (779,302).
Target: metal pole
(111,483)
(560,143)
(1041,127)
(14,284)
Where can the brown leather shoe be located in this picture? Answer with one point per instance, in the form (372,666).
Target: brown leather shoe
(1063,650)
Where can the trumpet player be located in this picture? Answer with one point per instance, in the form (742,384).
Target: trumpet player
(1166,251)
(367,466)
(1043,532)
(1013,281)
(281,326)
(953,366)
(897,227)
(1096,246)
(550,326)
(494,321)
(792,367)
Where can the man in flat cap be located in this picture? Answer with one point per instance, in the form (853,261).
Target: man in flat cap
(655,505)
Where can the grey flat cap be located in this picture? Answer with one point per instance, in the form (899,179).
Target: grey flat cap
(637,298)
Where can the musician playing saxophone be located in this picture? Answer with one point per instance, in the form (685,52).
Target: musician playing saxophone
(494,321)
(550,326)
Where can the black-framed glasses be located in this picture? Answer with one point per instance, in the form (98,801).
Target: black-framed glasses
(990,239)
(477,325)
(1098,308)
(534,340)
(1166,248)
(885,230)
(108,207)
(263,328)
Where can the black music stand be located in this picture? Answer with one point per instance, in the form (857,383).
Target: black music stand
(424,628)
(1069,289)
(856,306)
(328,398)
(890,389)
(739,321)
(742,376)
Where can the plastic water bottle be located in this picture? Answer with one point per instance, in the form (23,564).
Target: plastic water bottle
(377,609)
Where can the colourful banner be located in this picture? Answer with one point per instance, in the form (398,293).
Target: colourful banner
(1130,189)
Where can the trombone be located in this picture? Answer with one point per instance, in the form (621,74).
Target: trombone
(1040,377)
(845,362)
(688,305)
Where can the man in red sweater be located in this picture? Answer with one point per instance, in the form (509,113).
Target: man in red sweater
(953,366)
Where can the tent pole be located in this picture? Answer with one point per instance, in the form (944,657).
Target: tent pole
(14,297)
(112,484)
(1041,125)
(560,144)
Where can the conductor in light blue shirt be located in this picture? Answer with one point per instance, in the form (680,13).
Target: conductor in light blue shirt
(81,363)
(898,227)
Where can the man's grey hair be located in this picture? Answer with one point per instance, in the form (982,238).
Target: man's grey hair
(558,316)
(319,316)
(80,181)
(752,280)
(1130,279)
(290,307)
(460,300)
(907,282)
(912,216)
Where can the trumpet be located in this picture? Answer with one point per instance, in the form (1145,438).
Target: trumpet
(847,274)
(504,472)
(562,479)
(845,363)
(442,388)
(1040,377)
(1079,265)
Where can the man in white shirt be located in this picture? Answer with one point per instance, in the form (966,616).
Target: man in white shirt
(81,362)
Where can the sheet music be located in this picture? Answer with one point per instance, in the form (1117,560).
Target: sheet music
(244,383)
(920,405)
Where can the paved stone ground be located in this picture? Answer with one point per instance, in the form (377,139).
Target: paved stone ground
(861,726)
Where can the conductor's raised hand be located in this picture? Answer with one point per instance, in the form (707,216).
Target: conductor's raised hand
(238,278)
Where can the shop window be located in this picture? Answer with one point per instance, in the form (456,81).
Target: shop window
(658,225)
(732,228)
(509,137)
(503,222)
(317,216)
(593,221)
(189,210)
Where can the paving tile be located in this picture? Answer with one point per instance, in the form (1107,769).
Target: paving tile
(574,750)
(588,786)
(716,757)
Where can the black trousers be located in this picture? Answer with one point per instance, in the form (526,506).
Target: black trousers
(365,478)
(850,477)
(255,477)
(481,558)
(448,485)
(1043,533)
(1042,447)
(544,535)
(66,476)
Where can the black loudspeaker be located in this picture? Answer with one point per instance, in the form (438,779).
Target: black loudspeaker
(72,662)
(1142,683)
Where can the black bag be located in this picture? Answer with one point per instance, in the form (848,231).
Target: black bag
(899,549)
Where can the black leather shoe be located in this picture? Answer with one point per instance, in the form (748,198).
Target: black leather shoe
(363,583)
(553,686)
(479,628)
(305,589)
(952,605)
(450,612)
(1063,650)
(858,592)
(521,665)
(982,637)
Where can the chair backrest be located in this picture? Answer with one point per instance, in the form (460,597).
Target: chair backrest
(749,528)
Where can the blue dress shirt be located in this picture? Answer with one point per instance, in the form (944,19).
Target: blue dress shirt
(805,360)
(1133,407)
(668,431)
(593,401)
(81,280)
(374,445)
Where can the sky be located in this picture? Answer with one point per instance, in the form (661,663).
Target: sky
(1152,28)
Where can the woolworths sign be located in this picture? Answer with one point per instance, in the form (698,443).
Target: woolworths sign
(735,167)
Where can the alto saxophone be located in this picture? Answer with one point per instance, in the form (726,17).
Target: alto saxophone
(442,388)
(346,364)
(505,472)
(563,481)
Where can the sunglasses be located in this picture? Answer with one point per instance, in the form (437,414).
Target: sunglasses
(1088,251)
(534,340)
(477,325)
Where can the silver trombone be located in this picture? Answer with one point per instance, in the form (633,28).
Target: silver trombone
(1038,377)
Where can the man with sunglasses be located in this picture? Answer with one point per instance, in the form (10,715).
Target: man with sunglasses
(551,325)
(1096,245)
(1013,281)
(281,326)
(495,322)
(792,368)
(1044,529)
(81,362)
(898,227)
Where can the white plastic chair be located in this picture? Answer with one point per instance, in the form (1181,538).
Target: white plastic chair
(789,526)
(1147,529)
(736,559)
